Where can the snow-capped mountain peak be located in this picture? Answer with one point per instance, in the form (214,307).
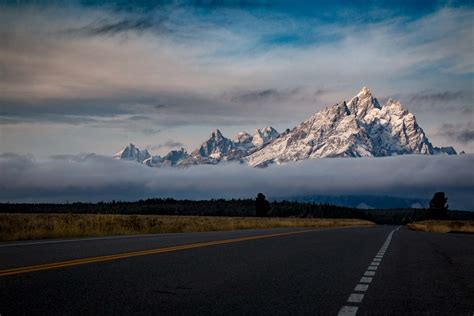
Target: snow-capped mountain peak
(217,135)
(363,103)
(131,152)
(364,92)
(264,135)
(212,151)
(359,127)
(242,138)
(216,146)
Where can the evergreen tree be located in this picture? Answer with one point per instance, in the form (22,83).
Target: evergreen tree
(438,205)
(262,206)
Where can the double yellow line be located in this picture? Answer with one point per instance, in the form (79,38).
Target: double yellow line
(76,262)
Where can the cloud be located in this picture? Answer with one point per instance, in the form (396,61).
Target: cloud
(252,96)
(93,178)
(466,136)
(266,95)
(203,57)
(463,134)
(437,97)
(122,26)
(438,101)
(169,144)
(151,131)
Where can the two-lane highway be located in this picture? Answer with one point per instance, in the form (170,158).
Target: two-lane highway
(371,270)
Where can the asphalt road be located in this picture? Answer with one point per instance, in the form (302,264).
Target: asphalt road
(364,271)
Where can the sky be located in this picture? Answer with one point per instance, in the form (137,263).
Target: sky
(81,77)
(93,76)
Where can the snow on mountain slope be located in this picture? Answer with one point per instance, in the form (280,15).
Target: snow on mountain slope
(130,152)
(357,128)
(263,136)
(212,151)
(219,148)
(360,127)
(173,158)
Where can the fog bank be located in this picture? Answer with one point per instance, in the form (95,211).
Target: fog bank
(96,178)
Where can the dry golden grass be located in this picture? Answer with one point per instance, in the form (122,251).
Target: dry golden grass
(42,226)
(443,226)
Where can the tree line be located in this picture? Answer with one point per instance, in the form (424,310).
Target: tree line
(243,207)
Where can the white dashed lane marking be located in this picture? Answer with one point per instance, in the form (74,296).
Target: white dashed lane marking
(348,311)
(363,286)
(365,280)
(355,298)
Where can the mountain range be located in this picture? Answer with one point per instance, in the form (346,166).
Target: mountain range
(360,127)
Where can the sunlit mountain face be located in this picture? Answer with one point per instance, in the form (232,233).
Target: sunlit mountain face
(360,127)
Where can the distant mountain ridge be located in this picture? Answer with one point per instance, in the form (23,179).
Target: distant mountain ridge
(360,127)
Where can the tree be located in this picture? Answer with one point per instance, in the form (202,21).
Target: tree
(438,205)
(262,207)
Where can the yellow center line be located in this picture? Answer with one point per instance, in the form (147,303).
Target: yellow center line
(76,262)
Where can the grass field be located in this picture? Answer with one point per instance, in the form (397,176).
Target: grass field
(42,226)
(443,226)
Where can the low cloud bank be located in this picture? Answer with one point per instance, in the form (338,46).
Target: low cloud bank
(95,178)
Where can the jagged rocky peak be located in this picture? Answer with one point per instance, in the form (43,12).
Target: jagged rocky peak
(264,135)
(173,158)
(243,143)
(215,147)
(395,107)
(450,151)
(364,92)
(153,161)
(357,128)
(131,152)
(260,137)
(362,103)
(242,138)
(360,127)
(216,134)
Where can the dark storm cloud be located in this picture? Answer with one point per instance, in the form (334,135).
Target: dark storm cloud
(160,106)
(460,133)
(121,26)
(466,136)
(92,178)
(263,95)
(320,92)
(448,100)
(60,109)
(444,96)
(46,118)
(139,118)
(111,28)
(255,96)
